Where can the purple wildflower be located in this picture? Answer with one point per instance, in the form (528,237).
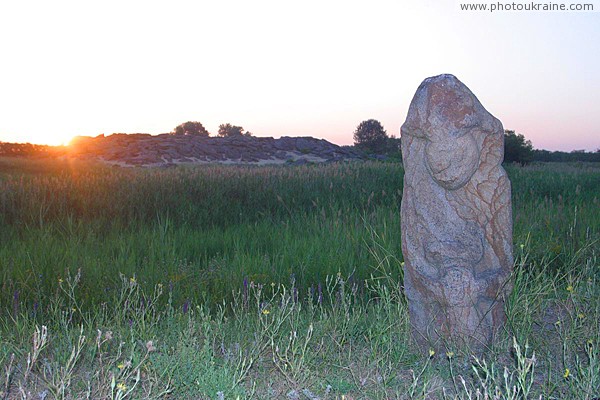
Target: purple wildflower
(16,302)
(320,291)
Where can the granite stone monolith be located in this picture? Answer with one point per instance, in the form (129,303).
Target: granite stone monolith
(456,217)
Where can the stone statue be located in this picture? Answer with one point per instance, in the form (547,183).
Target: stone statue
(456,217)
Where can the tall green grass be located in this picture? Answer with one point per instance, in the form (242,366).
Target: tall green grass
(273,282)
(198,197)
(204,230)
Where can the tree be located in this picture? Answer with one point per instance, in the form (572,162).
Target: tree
(227,130)
(563,156)
(371,136)
(517,148)
(393,147)
(191,128)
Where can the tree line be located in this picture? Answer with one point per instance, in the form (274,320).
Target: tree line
(196,128)
(29,149)
(517,149)
(371,137)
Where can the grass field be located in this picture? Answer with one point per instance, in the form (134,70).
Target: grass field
(273,282)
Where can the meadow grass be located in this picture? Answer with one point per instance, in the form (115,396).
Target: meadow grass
(273,282)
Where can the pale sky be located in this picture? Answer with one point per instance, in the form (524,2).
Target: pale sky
(289,68)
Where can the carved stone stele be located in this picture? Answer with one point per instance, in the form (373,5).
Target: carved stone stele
(456,217)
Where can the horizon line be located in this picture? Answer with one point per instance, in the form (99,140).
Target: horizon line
(257,136)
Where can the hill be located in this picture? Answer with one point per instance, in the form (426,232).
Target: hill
(166,149)
(147,150)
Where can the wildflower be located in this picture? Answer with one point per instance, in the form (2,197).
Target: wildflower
(121,386)
(73,309)
(450,354)
(402,264)
(567,373)
(570,288)
(132,280)
(581,315)
(320,291)
(150,346)
(60,280)
(431,352)
(557,323)
(266,312)
(272,284)
(121,366)
(530,361)
(160,285)
(16,301)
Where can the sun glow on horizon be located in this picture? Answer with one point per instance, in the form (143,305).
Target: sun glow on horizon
(56,139)
(308,68)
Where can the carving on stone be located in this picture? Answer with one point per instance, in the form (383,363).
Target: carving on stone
(456,216)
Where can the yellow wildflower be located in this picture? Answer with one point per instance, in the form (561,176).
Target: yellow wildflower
(570,288)
(449,354)
(122,387)
(60,280)
(266,312)
(431,352)
(567,373)
(581,315)
(121,366)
